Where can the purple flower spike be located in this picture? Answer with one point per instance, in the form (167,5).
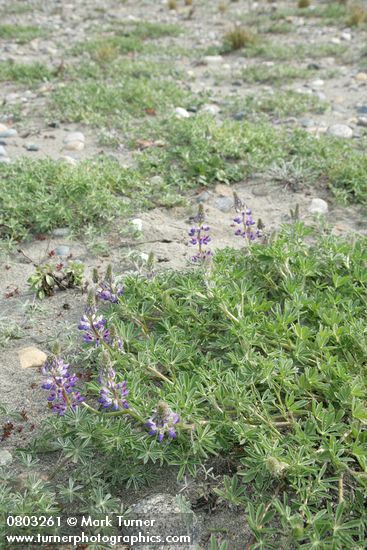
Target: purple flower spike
(109,292)
(112,394)
(60,383)
(245,220)
(94,327)
(199,236)
(162,422)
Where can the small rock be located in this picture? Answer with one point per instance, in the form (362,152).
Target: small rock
(74,136)
(239,116)
(213,59)
(318,83)
(6,132)
(5,458)
(204,196)
(182,113)
(3,152)
(361,77)
(346,36)
(75,141)
(211,108)
(362,110)
(362,121)
(70,160)
(61,232)
(340,130)
(224,204)
(335,40)
(138,224)
(313,66)
(307,122)
(318,206)
(31,147)
(62,251)
(31,357)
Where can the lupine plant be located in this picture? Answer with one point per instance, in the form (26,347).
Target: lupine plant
(199,237)
(264,366)
(245,221)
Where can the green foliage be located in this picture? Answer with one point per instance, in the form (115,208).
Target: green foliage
(263,356)
(19,33)
(274,74)
(25,73)
(49,277)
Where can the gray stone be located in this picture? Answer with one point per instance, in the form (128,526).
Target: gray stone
(362,110)
(62,250)
(318,206)
(3,153)
(8,132)
(171,517)
(204,196)
(307,122)
(239,116)
(224,204)
(74,136)
(213,59)
(5,458)
(61,232)
(362,121)
(340,130)
(31,147)
(211,108)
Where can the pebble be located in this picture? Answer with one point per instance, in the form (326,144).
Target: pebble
(75,141)
(361,77)
(318,83)
(340,130)
(31,147)
(318,206)
(362,109)
(362,121)
(346,36)
(62,251)
(61,232)
(6,132)
(31,357)
(335,40)
(213,59)
(181,112)
(5,458)
(239,116)
(70,160)
(138,224)
(3,153)
(307,122)
(313,66)
(224,204)
(204,196)
(211,108)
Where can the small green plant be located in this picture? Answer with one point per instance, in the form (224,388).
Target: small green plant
(238,38)
(357,16)
(172,4)
(21,34)
(25,73)
(304,3)
(49,277)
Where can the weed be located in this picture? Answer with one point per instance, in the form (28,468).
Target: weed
(304,4)
(49,277)
(9,330)
(274,73)
(357,16)
(238,38)
(222,7)
(20,33)
(284,103)
(265,367)
(25,73)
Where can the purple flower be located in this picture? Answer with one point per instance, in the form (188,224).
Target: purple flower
(199,237)
(245,220)
(109,292)
(162,422)
(60,383)
(94,327)
(112,394)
